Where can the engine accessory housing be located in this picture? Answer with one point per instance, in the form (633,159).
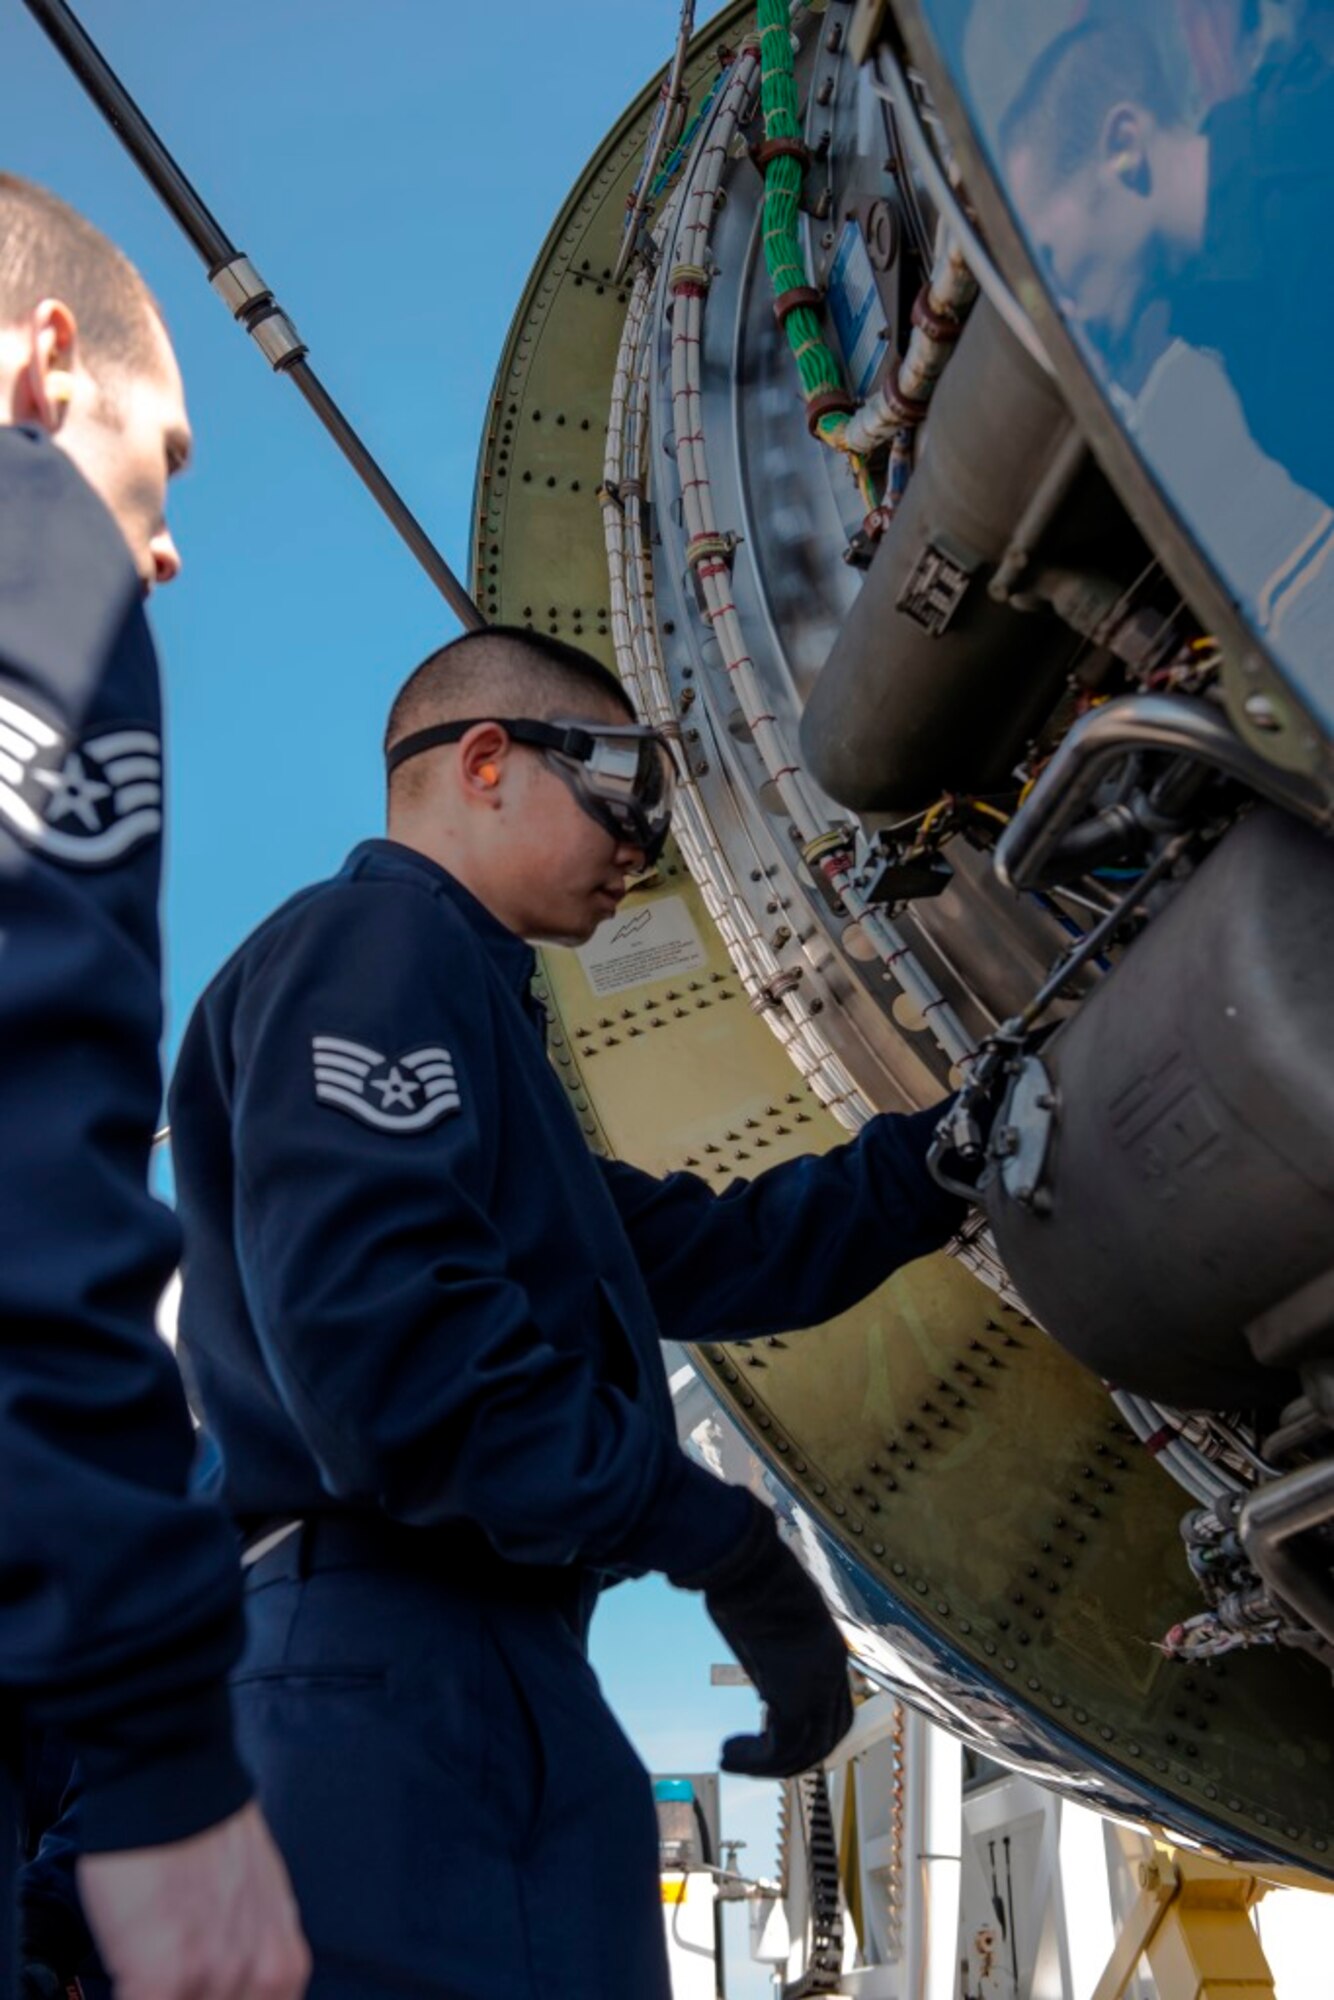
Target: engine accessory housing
(932,685)
(1187,1184)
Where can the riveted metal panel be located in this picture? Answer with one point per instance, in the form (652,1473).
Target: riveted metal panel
(978,1510)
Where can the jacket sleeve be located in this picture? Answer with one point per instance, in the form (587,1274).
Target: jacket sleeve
(121,1596)
(793,1247)
(376,1270)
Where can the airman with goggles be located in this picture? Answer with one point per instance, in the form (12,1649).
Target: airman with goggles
(622,774)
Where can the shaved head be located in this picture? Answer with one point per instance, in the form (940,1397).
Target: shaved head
(501,670)
(48,251)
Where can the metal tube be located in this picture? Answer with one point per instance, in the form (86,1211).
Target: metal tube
(1092,942)
(1269,1521)
(248,298)
(1158,722)
(950,293)
(1047,496)
(1299,1433)
(671,98)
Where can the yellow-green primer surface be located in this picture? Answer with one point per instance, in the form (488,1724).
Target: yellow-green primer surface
(963,1457)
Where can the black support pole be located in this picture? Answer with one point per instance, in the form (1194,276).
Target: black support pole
(240,286)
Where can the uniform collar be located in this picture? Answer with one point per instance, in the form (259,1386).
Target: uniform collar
(391,859)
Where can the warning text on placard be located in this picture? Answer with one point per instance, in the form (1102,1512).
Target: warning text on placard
(635,947)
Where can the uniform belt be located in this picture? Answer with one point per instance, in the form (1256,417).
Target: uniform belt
(460,1558)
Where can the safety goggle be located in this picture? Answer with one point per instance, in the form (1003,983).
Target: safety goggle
(622,774)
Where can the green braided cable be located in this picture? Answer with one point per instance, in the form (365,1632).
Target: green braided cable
(816,365)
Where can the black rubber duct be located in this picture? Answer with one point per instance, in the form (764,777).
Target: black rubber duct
(932,685)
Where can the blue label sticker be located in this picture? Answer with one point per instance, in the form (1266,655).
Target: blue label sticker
(856,311)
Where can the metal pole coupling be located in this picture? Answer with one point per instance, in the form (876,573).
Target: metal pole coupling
(240,286)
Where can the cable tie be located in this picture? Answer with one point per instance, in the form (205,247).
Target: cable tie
(786,303)
(766,150)
(906,410)
(688,281)
(943,326)
(701,547)
(829,403)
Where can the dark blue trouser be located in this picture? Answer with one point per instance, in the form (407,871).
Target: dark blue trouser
(9,1868)
(460,1811)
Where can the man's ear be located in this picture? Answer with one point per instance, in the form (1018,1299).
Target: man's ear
(1124,149)
(44,386)
(483,754)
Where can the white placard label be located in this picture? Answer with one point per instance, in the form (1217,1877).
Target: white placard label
(633,948)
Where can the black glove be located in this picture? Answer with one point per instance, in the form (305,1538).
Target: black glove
(774,1619)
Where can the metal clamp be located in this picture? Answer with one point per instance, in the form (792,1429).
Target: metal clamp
(771,992)
(1023,1134)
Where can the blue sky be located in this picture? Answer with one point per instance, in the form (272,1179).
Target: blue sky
(392,170)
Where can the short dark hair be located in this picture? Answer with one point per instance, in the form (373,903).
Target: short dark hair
(1078,79)
(49,251)
(502,670)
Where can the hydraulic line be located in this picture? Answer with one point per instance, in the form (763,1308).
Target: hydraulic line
(775,991)
(1166,723)
(708,553)
(1158,1430)
(894,413)
(240,286)
(671,100)
(639,661)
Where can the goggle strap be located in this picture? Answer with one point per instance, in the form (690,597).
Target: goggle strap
(570,742)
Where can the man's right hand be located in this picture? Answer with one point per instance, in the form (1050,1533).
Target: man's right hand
(210,1918)
(775,1621)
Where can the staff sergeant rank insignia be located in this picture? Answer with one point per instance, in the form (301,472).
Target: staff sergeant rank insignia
(85,803)
(405,1094)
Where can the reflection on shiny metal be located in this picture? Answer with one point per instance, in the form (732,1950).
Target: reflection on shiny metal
(1270,1522)
(891,84)
(1156,722)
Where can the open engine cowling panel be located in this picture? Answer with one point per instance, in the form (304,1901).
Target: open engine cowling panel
(997,779)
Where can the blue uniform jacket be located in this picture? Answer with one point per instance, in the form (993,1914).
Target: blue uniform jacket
(411,1288)
(119,1599)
